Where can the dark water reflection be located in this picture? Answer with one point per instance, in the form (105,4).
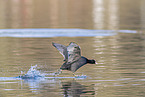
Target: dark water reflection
(75,89)
(120,71)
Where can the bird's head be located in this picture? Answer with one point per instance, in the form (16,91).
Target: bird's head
(92,61)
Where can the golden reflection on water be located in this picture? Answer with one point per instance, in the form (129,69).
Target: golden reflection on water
(87,14)
(106,14)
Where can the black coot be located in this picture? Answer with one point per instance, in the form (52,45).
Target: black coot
(72,57)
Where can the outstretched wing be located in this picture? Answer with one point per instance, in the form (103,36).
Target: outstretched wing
(62,49)
(74,52)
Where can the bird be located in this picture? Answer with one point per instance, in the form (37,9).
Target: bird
(72,57)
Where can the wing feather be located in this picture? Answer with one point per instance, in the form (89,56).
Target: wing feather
(62,49)
(74,52)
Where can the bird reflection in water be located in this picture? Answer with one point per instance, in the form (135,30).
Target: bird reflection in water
(75,89)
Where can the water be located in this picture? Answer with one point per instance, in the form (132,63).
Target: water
(109,31)
(59,32)
(119,72)
(84,14)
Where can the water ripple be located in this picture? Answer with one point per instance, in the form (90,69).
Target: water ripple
(59,32)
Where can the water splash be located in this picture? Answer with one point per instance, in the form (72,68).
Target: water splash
(81,76)
(59,71)
(33,73)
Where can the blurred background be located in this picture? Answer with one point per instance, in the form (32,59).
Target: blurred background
(86,14)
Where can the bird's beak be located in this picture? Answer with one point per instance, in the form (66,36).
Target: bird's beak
(96,63)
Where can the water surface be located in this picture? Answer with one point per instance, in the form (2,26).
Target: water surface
(120,71)
(109,31)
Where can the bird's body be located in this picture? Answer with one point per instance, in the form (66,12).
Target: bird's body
(72,57)
(74,66)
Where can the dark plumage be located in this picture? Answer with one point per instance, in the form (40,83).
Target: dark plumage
(72,57)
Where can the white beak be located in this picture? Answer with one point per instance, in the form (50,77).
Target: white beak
(96,63)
